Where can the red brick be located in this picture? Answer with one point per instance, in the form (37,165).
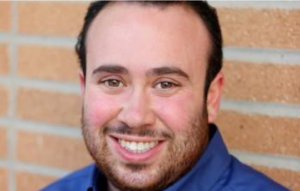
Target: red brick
(26,181)
(3,57)
(266,28)
(5,15)
(51,18)
(3,100)
(3,179)
(48,63)
(3,143)
(259,133)
(51,150)
(49,107)
(264,82)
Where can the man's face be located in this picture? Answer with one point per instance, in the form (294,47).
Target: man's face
(144,117)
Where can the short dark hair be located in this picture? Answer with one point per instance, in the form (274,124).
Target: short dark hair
(207,14)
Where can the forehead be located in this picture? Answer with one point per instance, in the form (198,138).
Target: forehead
(125,33)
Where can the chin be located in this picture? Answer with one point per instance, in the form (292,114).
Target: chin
(135,177)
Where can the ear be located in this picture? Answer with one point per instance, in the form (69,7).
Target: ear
(214,97)
(82,82)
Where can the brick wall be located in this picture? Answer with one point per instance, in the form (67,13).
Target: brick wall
(40,137)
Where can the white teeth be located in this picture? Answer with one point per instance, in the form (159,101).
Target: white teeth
(137,147)
(140,146)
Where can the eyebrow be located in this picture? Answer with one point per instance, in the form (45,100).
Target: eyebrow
(167,70)
(111,68)
(116,69)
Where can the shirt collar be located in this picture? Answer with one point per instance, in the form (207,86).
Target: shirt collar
(205,173)
(98,181)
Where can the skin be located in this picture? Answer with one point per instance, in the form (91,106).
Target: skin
(145,81)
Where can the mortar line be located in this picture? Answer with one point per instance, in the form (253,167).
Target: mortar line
(36,169)
(40,169)
(263,108)
(269,160)
(63,87)
(5,80)
(4,164)
(24,39)
(262,55)
(38,127)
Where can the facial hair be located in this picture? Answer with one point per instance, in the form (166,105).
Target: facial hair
(183,151)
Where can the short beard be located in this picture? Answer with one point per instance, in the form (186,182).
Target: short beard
(193,142)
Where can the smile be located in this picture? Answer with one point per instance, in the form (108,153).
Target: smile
(137,147)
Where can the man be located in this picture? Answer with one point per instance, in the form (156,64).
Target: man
(151,84)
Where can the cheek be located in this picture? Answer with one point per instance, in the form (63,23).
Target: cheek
(177,113)
(99,109)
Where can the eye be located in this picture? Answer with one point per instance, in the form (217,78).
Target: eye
(166,85)
(113,83)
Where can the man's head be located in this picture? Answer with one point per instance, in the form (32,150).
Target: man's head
(151,84)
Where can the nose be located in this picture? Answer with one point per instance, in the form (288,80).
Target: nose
(136,111)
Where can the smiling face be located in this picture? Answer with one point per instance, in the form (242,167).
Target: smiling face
(144,118)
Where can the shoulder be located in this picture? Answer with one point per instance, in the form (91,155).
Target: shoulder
(78,180)
(240,177)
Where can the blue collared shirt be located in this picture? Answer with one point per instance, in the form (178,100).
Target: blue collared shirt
(216,170)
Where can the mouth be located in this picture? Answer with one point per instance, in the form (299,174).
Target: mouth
(136,149)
